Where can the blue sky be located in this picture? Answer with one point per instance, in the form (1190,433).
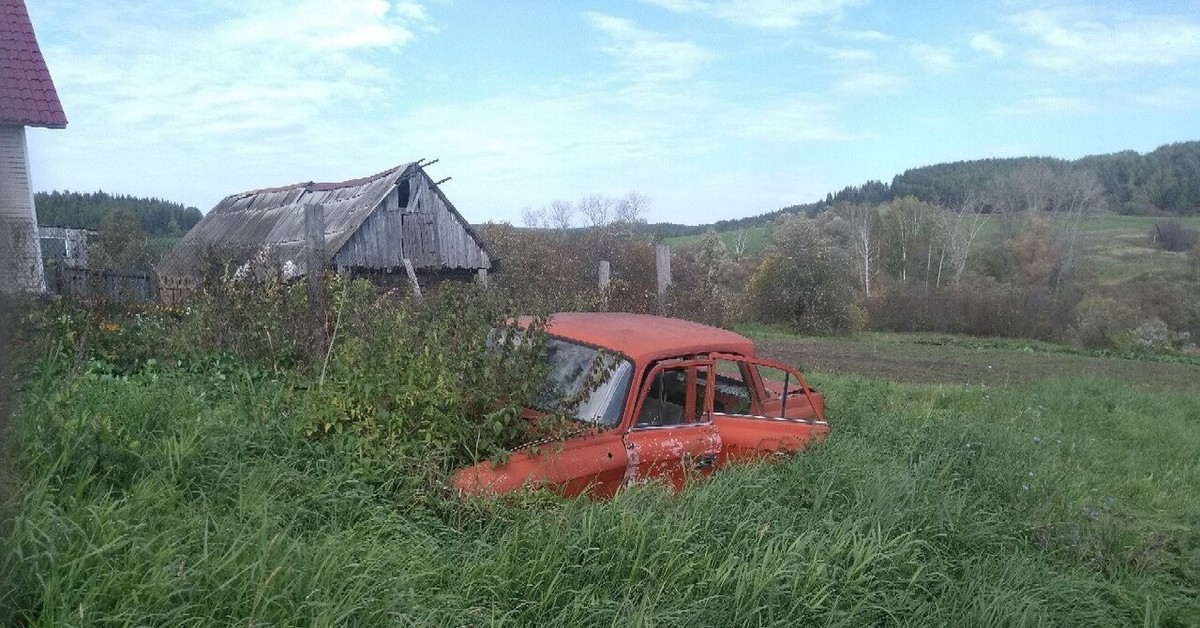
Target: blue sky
(712,109)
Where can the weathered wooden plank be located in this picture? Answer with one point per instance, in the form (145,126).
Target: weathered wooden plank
(375,222)
(412,278)
(662,264)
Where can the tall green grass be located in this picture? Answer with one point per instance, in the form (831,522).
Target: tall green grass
(173,497)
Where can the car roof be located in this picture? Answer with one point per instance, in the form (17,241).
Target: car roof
(646,338)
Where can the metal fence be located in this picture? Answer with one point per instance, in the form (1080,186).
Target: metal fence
(85,283)
(20,255)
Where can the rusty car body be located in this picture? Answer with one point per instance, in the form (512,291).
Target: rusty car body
(680,399)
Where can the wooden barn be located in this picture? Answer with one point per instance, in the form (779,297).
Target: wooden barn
(27,98)
(371,226)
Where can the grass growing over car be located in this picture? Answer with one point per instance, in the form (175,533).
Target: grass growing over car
(198,495)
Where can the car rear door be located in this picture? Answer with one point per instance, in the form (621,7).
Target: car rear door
(673,436)
(592,463)
(762,407)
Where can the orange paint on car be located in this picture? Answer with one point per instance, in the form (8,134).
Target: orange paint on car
(668,412)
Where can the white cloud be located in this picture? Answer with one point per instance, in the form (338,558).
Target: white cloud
(795,122)
(653,56)
(318,26)
(1172,97)
(846,55)
(933,58)
(869,82)
(866,35)
(1072,41)
(1041,105)
(254,67)
(987,44)
(765,14)
(163,96)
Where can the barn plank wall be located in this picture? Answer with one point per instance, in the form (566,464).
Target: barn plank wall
(372,224)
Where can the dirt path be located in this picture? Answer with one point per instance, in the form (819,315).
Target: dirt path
(915,362)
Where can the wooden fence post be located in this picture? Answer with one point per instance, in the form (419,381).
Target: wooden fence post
(412,278)
(662,264)
(314,267)
(604,272)
(604,281)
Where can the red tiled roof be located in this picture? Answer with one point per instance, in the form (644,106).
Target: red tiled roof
(27,95)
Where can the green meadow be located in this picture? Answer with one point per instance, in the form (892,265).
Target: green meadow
(194,495)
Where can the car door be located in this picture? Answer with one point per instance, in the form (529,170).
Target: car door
(762,407)
(672,435)
(592,463)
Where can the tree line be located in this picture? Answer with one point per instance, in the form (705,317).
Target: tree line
(1164,181)
(88,210)
(1006,257)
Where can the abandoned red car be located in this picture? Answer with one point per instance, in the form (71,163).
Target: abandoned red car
(679,399)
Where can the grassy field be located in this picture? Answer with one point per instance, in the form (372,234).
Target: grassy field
(1041,494)
(756,239)
(948,359)
(1118,247)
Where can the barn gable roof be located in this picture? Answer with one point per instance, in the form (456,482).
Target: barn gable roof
(248,223)
(27,94)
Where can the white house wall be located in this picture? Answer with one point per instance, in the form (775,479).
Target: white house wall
(20,249)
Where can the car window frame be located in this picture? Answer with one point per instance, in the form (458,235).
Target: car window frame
(759,390)
(643,389)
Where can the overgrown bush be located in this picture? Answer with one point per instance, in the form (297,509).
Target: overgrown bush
(1174,301)
(415,389)
(803,281)
(551,270)
(1171,235)
(980,306)
(433,386)
(557,270)
(1102,321)
(1153,336)
(704,287)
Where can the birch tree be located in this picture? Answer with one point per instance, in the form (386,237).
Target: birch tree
(864,221)
(960,228)
(740,239)
(1079,193)
(905,224)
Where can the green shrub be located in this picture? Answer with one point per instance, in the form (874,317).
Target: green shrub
(802,282)
(421,384)
(702,282)
(1152,336)
(1103,321)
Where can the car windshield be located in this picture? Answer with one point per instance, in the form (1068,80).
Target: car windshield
(570,368)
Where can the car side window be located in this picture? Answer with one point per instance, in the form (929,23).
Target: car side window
(675,396)
(731,394)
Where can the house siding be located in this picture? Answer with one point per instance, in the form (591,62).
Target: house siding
(20,249)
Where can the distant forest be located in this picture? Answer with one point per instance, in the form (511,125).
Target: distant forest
(1164,181)
(86,210)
